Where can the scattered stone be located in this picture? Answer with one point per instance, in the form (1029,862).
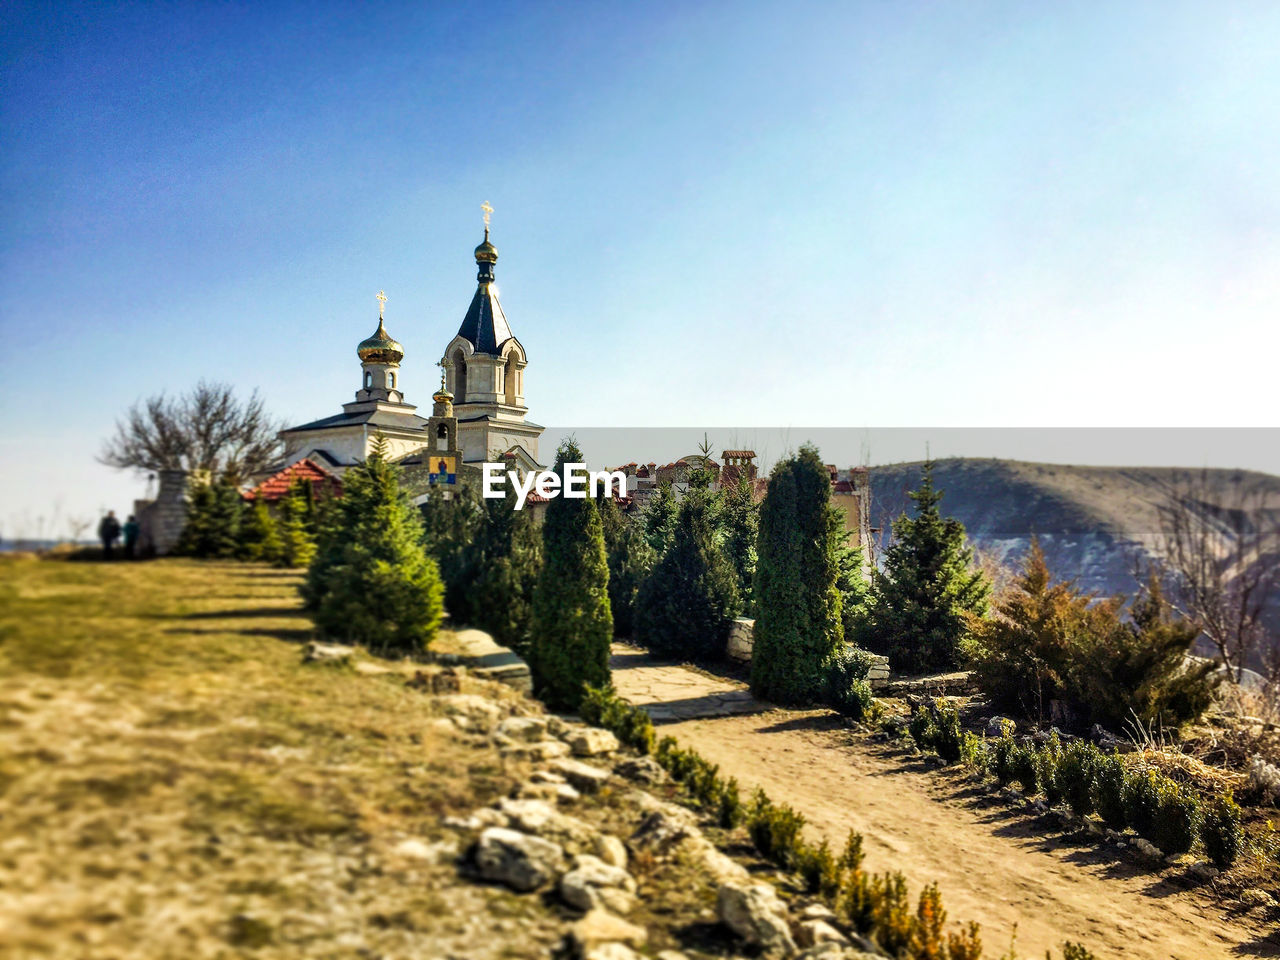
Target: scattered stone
(660,832)
(1257,897)
(818,911)
(1000,726)
(581,776)
(609,951)
(546,776)
(517,860)
(671,955)
(810,933)
(600,927)
(315,652)
(539,818)
(480,713)
(1147,848)
(415,849)
(524,729)
(641,769)
(834,951)
(1203,870)
(478,820)
(611,850)
(592,741)
(542,750)
(592,884)
(756,914)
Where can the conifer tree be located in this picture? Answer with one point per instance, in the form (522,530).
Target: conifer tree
(572,623)
(685,606)
(259,538)
(851,584)
(741,524)
(920,600)
(212,529)
(506,552)
(1140,668)
(451,528)
(297,526)
(372,582)
(660,518)
(630,559)
(798,628)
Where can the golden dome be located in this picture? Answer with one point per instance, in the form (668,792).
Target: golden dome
(380,348)
(486,252)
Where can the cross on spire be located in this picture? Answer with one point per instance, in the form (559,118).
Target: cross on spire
(382,302)
(487,211)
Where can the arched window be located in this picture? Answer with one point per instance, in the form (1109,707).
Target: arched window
(510,378)
(459,378)
(391,381)
(368,379)
(442,437)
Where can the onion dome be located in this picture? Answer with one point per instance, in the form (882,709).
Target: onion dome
(486,252)
(380,348)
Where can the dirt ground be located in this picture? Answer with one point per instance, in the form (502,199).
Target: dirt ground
(993,864)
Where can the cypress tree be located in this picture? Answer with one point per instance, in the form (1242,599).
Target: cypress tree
(798,628)
(572,623)
(451,528)
(660,518)
(685,606)
(507,555)
(259,538)
(630,559)
(372,582)
(920,600)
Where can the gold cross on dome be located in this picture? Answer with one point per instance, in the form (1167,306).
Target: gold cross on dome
(382,302)
(487,210)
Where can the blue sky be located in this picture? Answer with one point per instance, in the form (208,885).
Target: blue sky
(878,214)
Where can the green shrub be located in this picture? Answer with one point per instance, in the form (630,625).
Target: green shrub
(947,738)
(1048,770)
(1076,951)
(1026,771)
(730,810)
(1177,817)
(1002,760)
(1221,832)
(775,830)
(847,689)
(1076,773)
(856,900)
(1110,778)
(851,858)
(922,727)
(1141,800)
(818,869)
(890,913)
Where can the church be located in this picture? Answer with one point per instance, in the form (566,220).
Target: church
(478,413)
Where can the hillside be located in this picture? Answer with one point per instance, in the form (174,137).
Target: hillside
(1094,522)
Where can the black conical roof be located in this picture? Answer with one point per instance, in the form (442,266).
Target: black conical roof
(485,325)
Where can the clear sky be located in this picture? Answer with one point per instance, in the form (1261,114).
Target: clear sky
(867,215)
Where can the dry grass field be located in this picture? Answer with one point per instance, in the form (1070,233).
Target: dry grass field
(174,782)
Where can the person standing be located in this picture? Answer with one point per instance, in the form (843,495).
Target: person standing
(131,529)
(109,533)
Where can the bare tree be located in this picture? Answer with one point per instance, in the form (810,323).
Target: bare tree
(206,430)
(1221,540)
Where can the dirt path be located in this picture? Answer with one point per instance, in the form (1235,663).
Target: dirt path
(993,864)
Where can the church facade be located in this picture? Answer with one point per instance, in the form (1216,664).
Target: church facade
(479,412)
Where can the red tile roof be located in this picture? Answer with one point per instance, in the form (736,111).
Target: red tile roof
(276,487)
(748,454)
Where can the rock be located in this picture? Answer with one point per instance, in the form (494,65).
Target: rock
(660,832)
(609,951)
(524,729)
(818,911)
(834,951)
(478,820)
(812,932)
(581,776)
(611,850)
(539,818)
(592,883)
(415,849)
(315,652)
(1257,897)
(641,769)
(592,741)
(1000,726)
(517,860)
(671,955)
(1203,870)
(1148,849)
(480,713)
(600,927)
(754,913)
(542,750)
